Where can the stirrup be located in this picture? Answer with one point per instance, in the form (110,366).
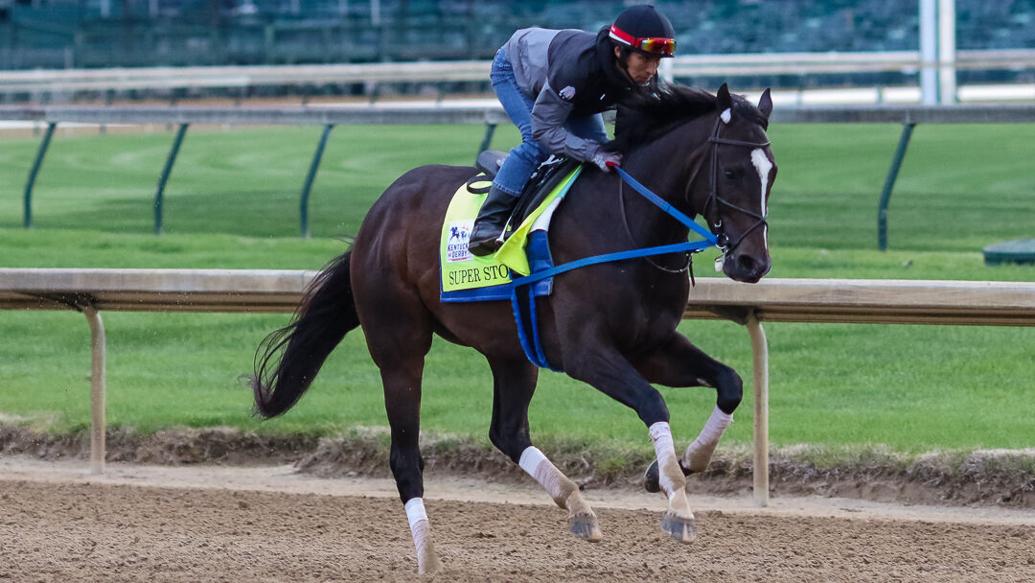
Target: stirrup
(485,247)
(490,225)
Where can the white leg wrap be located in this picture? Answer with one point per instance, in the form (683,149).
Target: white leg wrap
(699,452)
(661,436)
(415,511)
(421,531)
(543,471)
(530,460)
(715,427)
(665,450)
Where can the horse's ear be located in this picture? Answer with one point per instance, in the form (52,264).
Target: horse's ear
(725,100)
(765,104)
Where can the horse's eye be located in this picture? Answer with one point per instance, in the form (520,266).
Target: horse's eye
(731,174)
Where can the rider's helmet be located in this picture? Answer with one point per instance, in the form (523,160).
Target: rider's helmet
(644,30)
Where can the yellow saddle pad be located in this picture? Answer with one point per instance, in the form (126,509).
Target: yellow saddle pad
(460,269)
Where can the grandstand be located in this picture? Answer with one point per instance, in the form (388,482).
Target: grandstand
(95,33)
(87,34)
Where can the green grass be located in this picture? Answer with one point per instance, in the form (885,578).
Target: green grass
(232,202)
(232,182)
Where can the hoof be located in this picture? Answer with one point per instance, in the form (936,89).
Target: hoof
(431,569)
(585,527)
(682,529)
(650,477)
(428,563)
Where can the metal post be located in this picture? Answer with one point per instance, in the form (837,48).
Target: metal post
(375,12)
(946,52)
(490,129)
(40,154)
(98,424)
(929,52)
(760,360)
(889,185)
(166,171)
(109,98)
(310,177)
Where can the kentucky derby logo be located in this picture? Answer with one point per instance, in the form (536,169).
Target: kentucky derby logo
(456,246)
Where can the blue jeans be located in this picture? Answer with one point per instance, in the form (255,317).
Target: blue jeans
(527,156)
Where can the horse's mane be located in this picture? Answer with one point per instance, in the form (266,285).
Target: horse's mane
(644,118)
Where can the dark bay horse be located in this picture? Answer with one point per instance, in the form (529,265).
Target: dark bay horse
(611,325)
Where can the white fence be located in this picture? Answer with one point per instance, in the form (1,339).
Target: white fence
(479,113)
(240,78)
(782,300)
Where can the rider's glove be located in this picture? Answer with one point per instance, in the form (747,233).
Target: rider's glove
(604,160)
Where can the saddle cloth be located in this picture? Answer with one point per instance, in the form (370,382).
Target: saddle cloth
(462,271)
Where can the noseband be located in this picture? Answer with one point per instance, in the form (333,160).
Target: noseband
(716,201)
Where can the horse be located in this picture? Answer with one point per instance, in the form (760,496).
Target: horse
(610,325)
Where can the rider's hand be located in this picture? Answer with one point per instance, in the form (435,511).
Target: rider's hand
(605,160)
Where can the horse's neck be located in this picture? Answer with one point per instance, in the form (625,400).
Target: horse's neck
(666,166)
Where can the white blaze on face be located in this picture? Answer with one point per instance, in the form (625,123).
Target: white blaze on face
(764,166)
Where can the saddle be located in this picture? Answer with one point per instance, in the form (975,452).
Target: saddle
(545,178)
(467,277)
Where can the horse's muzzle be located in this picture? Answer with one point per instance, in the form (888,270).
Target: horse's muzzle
(746,267)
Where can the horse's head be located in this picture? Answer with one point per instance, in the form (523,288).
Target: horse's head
(732,182)
(712,150)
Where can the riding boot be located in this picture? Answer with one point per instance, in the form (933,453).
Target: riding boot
(492,218)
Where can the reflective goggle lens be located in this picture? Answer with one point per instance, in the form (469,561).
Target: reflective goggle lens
(665,47)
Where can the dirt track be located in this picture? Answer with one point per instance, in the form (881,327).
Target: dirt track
(234,525)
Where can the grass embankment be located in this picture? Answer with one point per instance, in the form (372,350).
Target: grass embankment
(232,203)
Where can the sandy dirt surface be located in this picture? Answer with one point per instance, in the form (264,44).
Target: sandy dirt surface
(160,523)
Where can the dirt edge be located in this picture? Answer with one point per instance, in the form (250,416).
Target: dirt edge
(984,477)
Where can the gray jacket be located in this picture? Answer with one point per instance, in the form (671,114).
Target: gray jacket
(568,73)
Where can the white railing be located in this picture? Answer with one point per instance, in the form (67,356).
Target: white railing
(62,81)
(777,300)
(476,113)
(160,78)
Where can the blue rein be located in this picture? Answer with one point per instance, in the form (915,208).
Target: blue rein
(534,350)
(688,247)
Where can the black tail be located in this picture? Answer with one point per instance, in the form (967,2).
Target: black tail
(326,313)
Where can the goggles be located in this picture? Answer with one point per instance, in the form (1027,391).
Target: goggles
(661,46)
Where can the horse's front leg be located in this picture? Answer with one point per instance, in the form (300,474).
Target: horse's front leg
(678,363)
(604,367)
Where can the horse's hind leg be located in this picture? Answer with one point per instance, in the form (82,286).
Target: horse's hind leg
(678,363)
(398,332)
(402,385)
(513,386)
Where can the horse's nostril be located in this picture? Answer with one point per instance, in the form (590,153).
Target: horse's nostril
(746,263)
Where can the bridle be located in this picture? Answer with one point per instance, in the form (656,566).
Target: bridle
(714,200)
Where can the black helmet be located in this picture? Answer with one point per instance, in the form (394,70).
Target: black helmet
(645,30)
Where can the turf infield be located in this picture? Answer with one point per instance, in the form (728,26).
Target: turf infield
(233,202)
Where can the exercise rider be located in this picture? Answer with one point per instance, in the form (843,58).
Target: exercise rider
(553,84)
